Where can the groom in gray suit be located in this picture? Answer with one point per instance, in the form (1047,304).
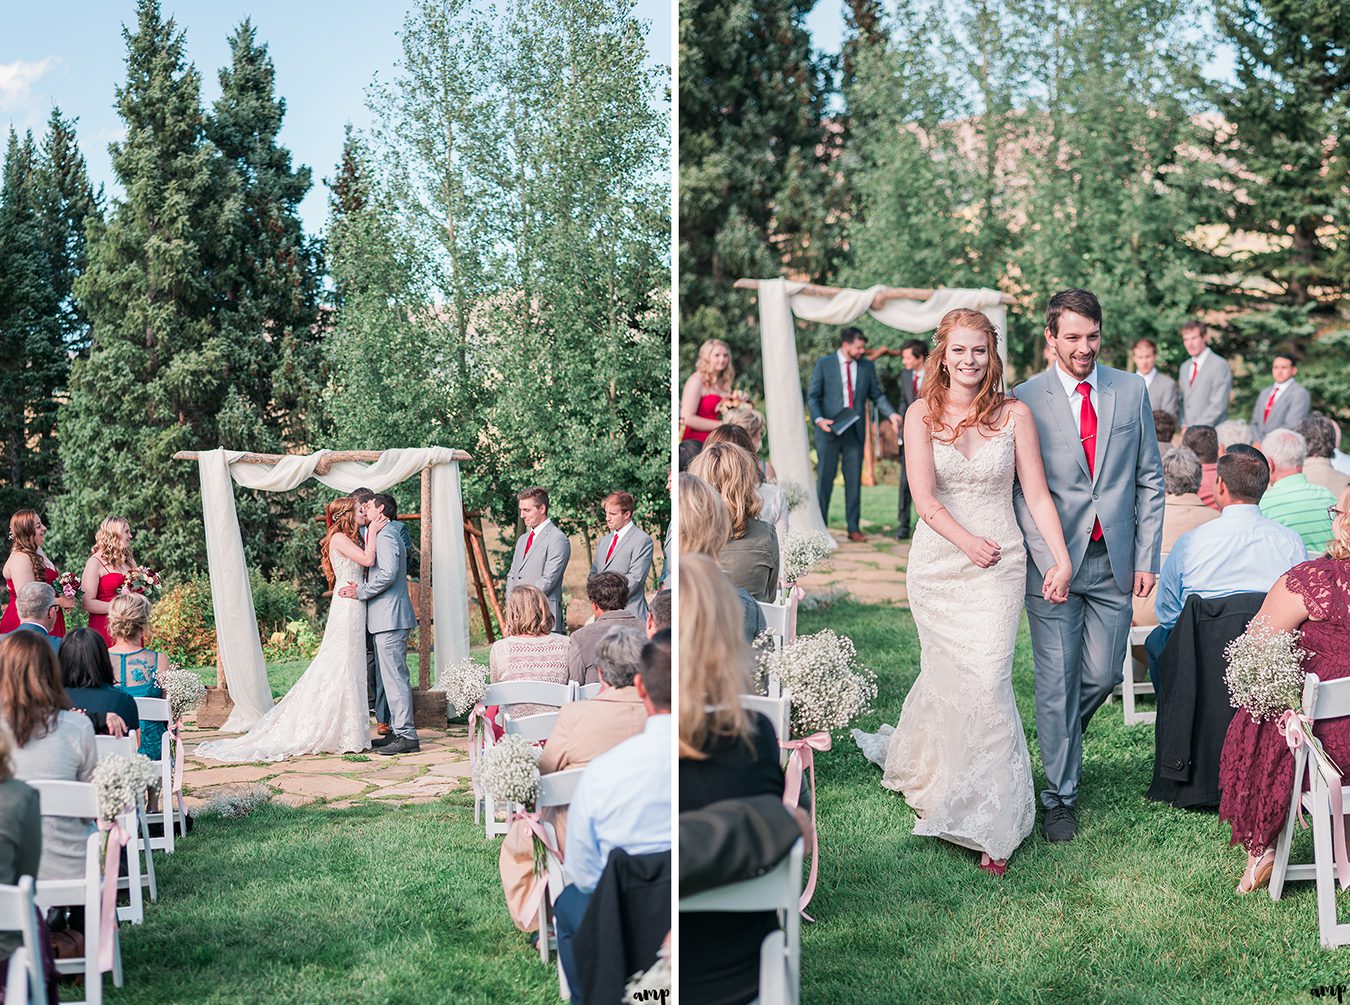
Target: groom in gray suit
(389,618)
(1105,475)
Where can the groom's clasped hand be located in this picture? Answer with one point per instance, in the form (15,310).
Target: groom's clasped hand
(378,521)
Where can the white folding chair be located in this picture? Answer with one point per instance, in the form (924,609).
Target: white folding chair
(172,813)
(26,983)
(1129,689)
(513,692)
(79,800)
(779,712)
(533,727)
(555,790)
(140,843)
(776,619)
(1321,700)
(777,890)
(585,692)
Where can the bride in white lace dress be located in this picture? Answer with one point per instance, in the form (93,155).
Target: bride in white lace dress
(958,753)
(325,711)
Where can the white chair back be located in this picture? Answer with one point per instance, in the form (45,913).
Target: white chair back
(154,709)
(588,691)
(139,872)
(556,788)
(66,799)
(775,620)
(114,746)
(26,982)
(532,692)
(173,813)
(533,727)
(1326,699)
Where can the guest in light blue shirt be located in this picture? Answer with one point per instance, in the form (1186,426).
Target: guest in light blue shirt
(1240,552)
(622,801)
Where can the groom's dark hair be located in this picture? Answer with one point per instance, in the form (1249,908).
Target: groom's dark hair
(1245,471)
(1078,301)
(386,504)
(361,496)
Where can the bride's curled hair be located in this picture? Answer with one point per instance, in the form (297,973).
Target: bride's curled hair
(341,515)
(937,382)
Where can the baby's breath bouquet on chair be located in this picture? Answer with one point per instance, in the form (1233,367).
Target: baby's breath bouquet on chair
(829,687)
(508,771)
(120,781)
(802,551)
(183,689)
(464,684)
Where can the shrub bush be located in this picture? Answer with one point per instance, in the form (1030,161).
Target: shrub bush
(184,626)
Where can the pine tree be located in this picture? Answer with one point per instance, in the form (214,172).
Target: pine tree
(69,204)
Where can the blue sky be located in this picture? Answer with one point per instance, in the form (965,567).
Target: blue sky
(70,53)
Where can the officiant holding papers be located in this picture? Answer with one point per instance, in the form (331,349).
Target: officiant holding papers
(841,386)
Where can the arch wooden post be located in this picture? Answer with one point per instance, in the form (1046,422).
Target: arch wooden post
(430,709)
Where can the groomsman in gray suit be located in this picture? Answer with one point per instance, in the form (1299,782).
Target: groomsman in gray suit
(542,553)
(1162,389)
(626,549)
(1283,405)
(1205,380)
(1105,475)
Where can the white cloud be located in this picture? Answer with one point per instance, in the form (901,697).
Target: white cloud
(17,80)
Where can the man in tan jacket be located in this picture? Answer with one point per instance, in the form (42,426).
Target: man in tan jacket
(586,729)
(1183,510)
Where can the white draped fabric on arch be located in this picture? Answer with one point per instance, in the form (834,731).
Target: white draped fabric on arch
(238,644)
(785,414)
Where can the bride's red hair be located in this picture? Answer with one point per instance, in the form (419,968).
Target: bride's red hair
(984,411)
(341,516)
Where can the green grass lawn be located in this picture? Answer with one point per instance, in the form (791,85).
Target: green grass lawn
(879,506)
(1139,908)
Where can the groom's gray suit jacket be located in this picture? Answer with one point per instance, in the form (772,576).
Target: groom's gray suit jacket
(385,591)
(1124,492)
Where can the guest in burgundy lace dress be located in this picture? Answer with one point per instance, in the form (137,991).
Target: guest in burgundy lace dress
(28,563)
(1256,772)
(109,562)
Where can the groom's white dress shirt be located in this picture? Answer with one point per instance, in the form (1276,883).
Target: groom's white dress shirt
(1071,383)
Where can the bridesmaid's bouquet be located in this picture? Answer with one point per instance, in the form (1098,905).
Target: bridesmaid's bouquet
(183,688)
(119,781)
(141,579)
(1265,671)
(68,585)
(464,684)
(736,399)
(829,687)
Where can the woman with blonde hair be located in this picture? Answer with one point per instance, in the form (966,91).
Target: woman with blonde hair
(28,563)
(725,753)
(772,500)
(529,650)
(705,527)
(705,390)
(752,422)
(750,557)
(110,561)
(326,710)
(136,669)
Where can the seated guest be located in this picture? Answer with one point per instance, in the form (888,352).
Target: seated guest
(752,422)
(689,449)
(626,549)
(1165,425)
(1319,437)
(608,593)
(772,499)
(622,801)
(88,680)
(658,615)
(136,668)
(38,611)
(750,557)
(530,650)
(1204,443)
(704,529)
(1232,432)
(1256,771)
(20,853)
(725,753)
(50,741)
(1241,552)
(1182,512)
(1291,499)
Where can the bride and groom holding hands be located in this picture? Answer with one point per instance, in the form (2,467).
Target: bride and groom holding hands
(1048,499)
(327,709)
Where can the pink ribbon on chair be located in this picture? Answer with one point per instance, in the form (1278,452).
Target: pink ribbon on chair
(117,840)
(475,714)
(176,752)
(1296,728)
(532,821)
(801,761)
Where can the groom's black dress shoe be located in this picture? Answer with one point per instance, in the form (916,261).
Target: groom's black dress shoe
(1060,824)
(401,745)
(384,741)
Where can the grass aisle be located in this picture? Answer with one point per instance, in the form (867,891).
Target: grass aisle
(1140,908)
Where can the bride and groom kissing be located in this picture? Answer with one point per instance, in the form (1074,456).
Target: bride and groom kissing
(1048,500)
(326,711)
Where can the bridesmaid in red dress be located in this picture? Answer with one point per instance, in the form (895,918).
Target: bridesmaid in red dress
(1256,770)
(27,563)
(109,562)
(704,390)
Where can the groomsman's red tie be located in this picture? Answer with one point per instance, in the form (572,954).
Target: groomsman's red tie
(529,541)
(1088,434)
(613,541)
(913,384)
(1270,403)
(849,371)
(1195,368)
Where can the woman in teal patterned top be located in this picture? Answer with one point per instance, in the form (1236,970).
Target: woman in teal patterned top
(134,665)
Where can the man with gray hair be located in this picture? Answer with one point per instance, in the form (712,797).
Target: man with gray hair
(1183,510)
(37,608)
(586,729)
(1319,433)
(1233,432)
(658,615)
(1291,499)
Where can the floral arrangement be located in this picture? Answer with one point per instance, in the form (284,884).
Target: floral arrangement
(802,551)
(1265,671)
(236,803)
(120,780)
(734,399)
(829,687)
(298,640)
(797,494)
(464,684)
(183,688)
(141,579)
(68,585)
(509,770)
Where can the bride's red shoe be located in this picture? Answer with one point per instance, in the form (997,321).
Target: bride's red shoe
(993,866)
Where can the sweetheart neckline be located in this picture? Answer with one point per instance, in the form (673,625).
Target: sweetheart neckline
(987,441)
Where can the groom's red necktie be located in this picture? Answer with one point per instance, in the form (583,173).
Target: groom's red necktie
(1087,429)
(849,372)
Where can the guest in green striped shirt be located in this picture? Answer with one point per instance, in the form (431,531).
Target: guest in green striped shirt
(1291,499)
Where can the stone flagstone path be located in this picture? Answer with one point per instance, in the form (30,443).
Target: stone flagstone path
(873,571)
(336,780)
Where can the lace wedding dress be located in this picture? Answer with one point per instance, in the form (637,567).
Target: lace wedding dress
(326,711)
(958,754)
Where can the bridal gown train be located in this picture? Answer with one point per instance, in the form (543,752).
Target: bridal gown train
(326,710)
(958,754)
